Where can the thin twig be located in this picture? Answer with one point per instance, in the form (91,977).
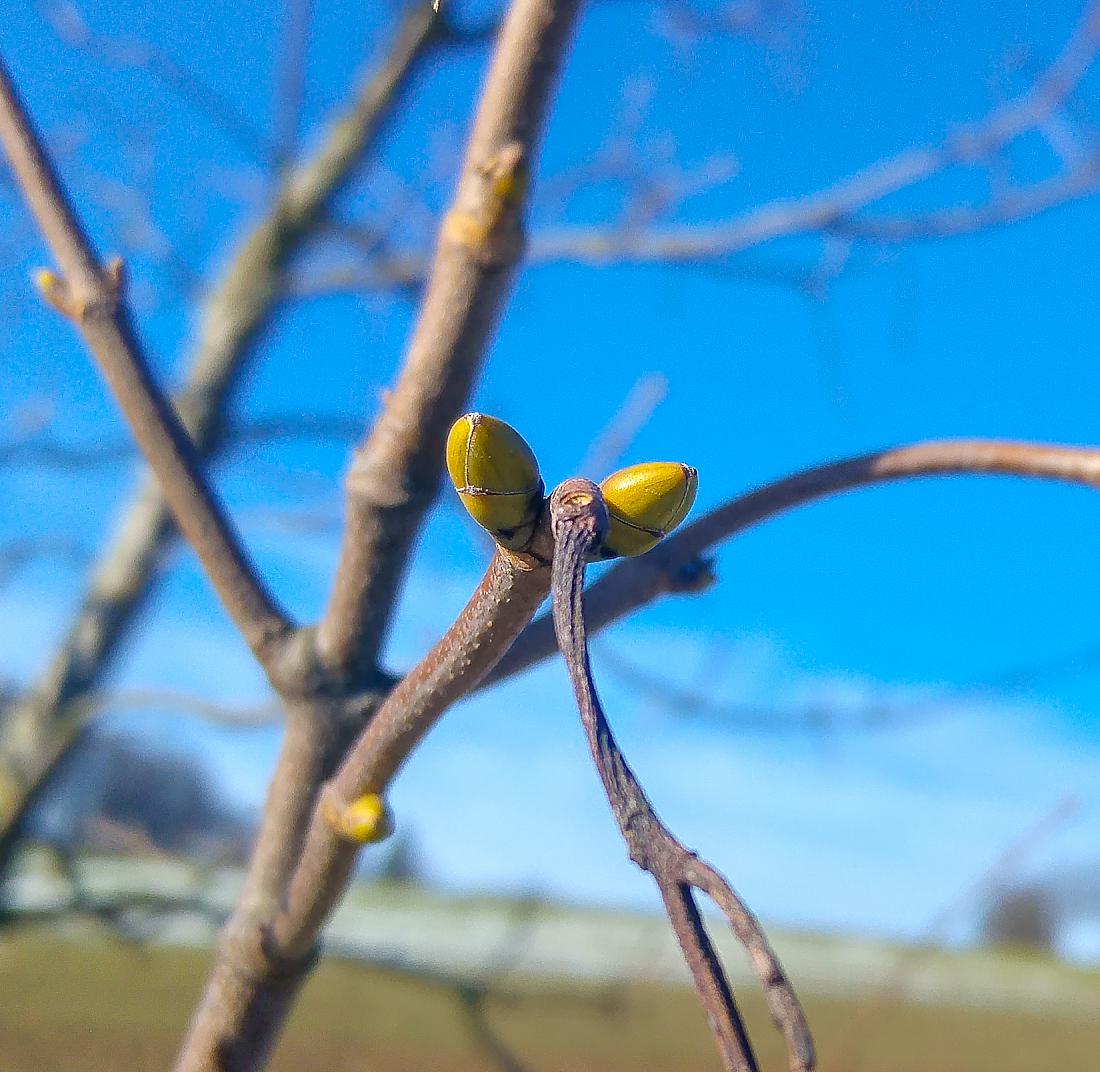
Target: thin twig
(70,25)
(25,550)
(677,565)
(92,298)
(838,206)
(46,452)
(578,519)
(145,700)
(840,209)
(291,80)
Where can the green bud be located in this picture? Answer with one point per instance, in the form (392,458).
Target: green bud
(645,503)
(497,478)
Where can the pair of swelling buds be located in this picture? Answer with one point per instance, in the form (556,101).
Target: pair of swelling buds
(497,478)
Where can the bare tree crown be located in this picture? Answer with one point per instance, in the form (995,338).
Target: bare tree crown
(350,726)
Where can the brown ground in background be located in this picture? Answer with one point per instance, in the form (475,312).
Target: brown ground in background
(87,1006)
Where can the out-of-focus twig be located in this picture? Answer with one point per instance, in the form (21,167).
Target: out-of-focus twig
(633,415)
(40,450)
(128,52)
(290,82)
(21,552)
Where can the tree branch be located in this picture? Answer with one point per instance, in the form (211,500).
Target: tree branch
(43,725)
(391,482)
(290,82)
(578,519)
(395,474)
(259,971)
(46,452)
(837,210)
(92,298)
(130,53)
(509,594)
(675,565)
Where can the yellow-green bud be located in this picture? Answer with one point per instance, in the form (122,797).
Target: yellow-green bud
(497,478)
(645,503)
(363,821)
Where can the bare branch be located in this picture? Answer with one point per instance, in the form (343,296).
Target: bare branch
(390,486)
(43,451)
(404,270)
(240,307)
(1009,206)
(396,471)
(120,913)
(92,298)
(72,27)
(840,207)
(260,970)
(21,552)
(578,519)
(675,564)
(239,716)
(509,594)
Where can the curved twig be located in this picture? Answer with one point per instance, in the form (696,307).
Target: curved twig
(579,522)
(676,565)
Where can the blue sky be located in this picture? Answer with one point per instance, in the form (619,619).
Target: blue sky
(899,595)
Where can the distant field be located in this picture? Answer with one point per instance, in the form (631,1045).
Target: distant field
(96,1006)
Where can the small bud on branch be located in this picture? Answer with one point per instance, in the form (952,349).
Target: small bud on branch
(365,821)
(497,478)
(645,503)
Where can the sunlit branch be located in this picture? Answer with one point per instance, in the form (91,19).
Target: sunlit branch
(676,564)
(396,471)
(509,594)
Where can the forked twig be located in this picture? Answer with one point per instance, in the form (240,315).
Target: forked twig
(578,520)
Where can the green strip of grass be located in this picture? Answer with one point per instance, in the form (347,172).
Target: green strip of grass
(91,1006)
